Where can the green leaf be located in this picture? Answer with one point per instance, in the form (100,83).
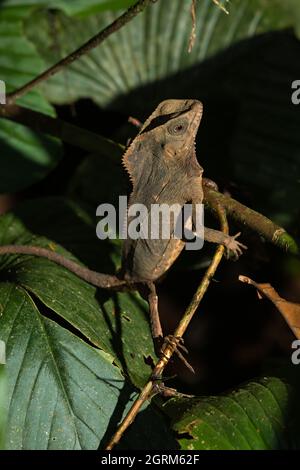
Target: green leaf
(3,403)
(26,157)
(32,154)
(115,322)
(259,415)
(151,47)
(249,110)
(62,393)
(75,7)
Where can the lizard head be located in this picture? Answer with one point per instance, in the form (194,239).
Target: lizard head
(176,123)
(168,137)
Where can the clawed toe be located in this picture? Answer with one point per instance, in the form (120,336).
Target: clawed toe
(168,392)
(177,343)
(234,247)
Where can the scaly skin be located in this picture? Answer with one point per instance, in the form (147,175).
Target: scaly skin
(163,168)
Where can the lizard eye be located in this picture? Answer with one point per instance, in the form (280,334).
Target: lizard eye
(178,128)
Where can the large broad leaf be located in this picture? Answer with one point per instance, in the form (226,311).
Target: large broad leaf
(62,393)
(33,154)
(130,59)
(248,135)
(152,46)
(115,322)
(261,415)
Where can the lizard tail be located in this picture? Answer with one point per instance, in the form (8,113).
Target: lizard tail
(104,281)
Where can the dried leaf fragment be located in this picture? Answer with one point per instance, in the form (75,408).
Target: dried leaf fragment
(289,310)
(193,32)
(216,2)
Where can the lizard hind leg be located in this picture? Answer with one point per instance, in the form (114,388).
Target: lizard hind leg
(148,291)
(156,329)
(160,342)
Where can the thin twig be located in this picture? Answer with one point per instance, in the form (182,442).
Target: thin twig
(69,133)
(117,24)
(216,2)
(193,32)
(168,350)
(135,122)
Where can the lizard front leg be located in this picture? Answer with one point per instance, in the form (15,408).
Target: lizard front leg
(231,244)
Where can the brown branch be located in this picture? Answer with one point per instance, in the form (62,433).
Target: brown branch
(149,388)
(133,11)
(94,143)
(63,130)
(254,220)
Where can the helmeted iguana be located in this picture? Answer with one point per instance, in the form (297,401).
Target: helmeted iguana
(163,168)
